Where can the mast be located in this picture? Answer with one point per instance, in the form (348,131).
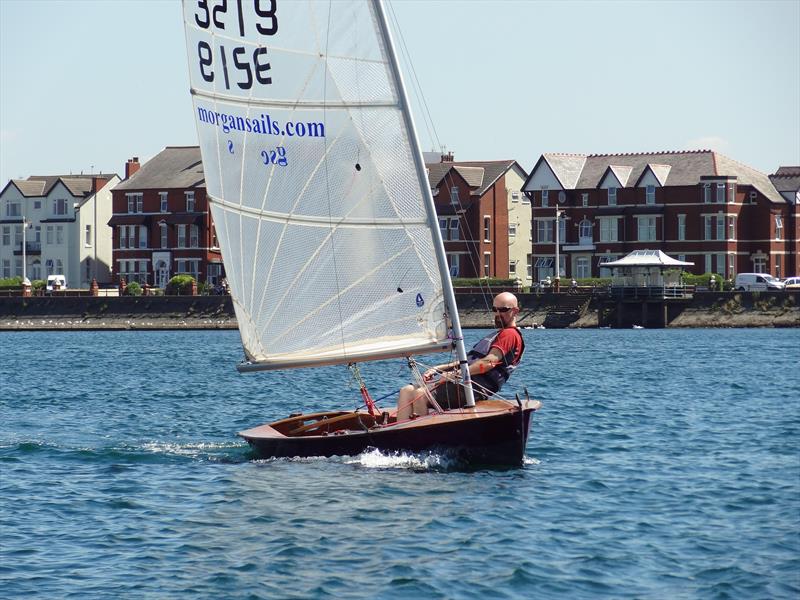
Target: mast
(433,223)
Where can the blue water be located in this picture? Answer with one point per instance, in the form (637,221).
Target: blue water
(664,464)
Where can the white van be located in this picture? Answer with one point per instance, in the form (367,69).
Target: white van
(56,282)
(757,282)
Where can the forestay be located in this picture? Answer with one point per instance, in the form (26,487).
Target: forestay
(310,176)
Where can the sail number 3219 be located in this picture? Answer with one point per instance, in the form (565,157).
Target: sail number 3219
(239,65)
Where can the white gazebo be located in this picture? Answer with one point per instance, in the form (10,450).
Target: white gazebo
(643,273)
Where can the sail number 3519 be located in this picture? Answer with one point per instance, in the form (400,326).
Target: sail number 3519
(248,66)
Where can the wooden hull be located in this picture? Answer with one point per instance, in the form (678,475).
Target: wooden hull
(495,432)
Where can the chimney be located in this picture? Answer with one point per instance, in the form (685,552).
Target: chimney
(132,166)
(447,157)
(97,183)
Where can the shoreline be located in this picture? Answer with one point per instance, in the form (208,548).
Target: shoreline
(180,313)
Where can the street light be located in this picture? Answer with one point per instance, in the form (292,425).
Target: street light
(559,214)
(25,225)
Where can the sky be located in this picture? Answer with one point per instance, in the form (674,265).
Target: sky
(85,85)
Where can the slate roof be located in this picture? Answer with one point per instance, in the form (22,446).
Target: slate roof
(479,175)
(79,186)
(786,179)
(174,167)
(580,171)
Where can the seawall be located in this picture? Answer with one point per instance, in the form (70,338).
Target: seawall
(706,309)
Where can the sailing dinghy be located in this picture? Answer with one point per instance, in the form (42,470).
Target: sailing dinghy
(326,221)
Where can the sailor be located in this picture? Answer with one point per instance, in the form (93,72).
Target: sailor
(491,362)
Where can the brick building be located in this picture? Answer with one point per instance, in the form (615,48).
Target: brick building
(161,223)
(698,206)
(483,216)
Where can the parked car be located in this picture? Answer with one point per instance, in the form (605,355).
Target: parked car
(58,282)
(791,283)
(757,282)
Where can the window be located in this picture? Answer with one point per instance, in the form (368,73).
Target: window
(585,232)
(6,268)
(681,228)
(650,194)
(454,235)
(487,222)
(37,204)
(753,197)
(49,233)
(720,227)
(135,202)
(777,265)
(515,196)
(18,267)
(525,198)
(37,234)
(708,263)
(181,236)
(163,197)
(562,230)
(214,273)
(545,198)
(721,264)
(759,264)
(612,196)
(59,266)
(454,262)
(13,209)
(583,268)
(731,265)
(88,267)
(544,267)
(87,236)
(720,193)
(562,197)
(529,269)
(49,265)
(60,207)
(778,227)
(443,228)
(123,236)
(189,201)
(6,235)
(512,268)
(647,229)
(142,236)
(608,230)
(731,227)
(164,238)
(707,193)
(707,227)
(194,236)
(486,263)
(18,236)
(585,199)
(59,235)
(512,230)
(731,193)
(454,199)
(544,230)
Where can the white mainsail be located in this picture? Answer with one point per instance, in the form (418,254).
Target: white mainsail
(310,174)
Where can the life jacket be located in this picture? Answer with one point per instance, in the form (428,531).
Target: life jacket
(496,377)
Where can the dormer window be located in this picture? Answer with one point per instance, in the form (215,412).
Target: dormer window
(454,195)
(189,201)
(612,196)
(650,195)
(135,202)
(163,197)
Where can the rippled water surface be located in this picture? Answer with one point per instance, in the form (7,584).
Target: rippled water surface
(664,464)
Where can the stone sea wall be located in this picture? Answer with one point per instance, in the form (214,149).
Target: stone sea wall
(706,309)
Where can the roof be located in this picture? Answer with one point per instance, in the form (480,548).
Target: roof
(174,167)
(786,179)
(40,185)
(479,175)
(679,168)
(647,258)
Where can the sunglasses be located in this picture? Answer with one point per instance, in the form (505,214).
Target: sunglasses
(501,309)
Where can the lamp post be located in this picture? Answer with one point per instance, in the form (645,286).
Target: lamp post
(559,214)
(25,224)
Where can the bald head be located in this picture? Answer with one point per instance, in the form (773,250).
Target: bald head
(505,310)
(506,299)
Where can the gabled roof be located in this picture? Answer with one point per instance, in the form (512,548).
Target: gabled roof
(787,172)
(173,167)
(479,175)
(685,168)
(660,172)
(79,186)
(621,174)
(786,179)
(647,258)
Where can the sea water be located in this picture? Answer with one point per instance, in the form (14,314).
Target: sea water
(663,464)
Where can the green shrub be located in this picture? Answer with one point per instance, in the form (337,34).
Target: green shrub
(38,284)
(204,289)
(704,280)
(133,289)
(11,282)
(483,282)
(180,285)
(591,281)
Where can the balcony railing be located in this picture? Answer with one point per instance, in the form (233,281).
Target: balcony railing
(30,248)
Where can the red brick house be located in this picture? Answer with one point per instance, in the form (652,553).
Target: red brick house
(787,181)
(161,223)
(472,203)
(698,206)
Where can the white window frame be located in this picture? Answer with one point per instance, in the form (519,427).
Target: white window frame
(59,235)
(529,265)
(512,268)
(720,227)
(6,235)
(706,193)
(708,230)
(142,236)
(164,204)
(454,199)
(454,229)
(585,231)
(164,235)
(87,235)
(609,230)
(515,196)
(487,228)
(487,263)
(190,201)
(544,231)
(778,227)
(731,193)
(585,199)
(708,266)
(720,197)
(545,198)
(60,207)
(181,235)
(512,230)
(612,196)
(583,267)
(650,194)
(646,225)
(681,228)
(194,236)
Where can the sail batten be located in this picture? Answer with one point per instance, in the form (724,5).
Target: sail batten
(312,183)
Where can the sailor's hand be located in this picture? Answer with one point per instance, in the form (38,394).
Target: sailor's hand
(429,374)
